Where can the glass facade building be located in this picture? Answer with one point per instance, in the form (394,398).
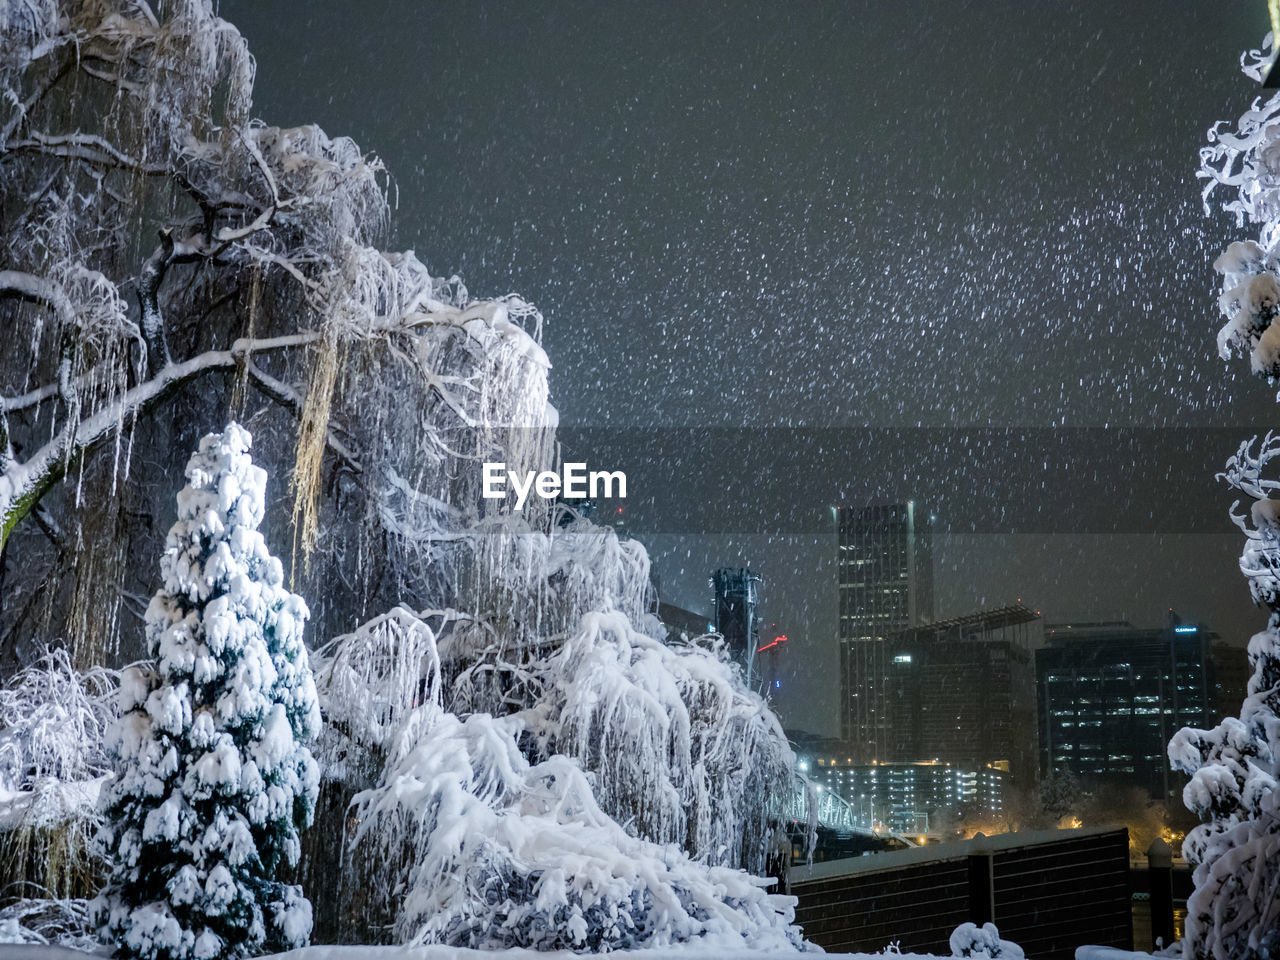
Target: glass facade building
(1112,695)
(885,584)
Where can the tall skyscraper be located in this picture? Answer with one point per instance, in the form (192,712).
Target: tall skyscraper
(885,577)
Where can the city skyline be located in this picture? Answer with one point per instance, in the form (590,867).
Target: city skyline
(769,272)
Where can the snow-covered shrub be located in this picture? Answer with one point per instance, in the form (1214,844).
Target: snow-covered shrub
(677,745)
(213,779)
(970,940)
(504,852)
(506,829)
(53,759)
(53,722)
(41,920)
(512,854)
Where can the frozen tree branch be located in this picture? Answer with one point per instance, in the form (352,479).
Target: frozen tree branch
(22,485)
(153,272)
(89,148)
(33,289)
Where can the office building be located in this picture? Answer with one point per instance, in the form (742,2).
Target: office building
(962,691)
(1230,674)
(1112,695)
(885,584)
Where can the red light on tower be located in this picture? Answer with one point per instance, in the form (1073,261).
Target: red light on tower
(781,638)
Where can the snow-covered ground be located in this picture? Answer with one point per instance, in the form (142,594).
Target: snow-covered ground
(459,953)
(25,952)
(38,952)
(968,940)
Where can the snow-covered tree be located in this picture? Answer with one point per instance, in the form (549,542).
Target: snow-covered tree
(1234,911)
(484,834)
(382,389)
(166,258)
(214,780)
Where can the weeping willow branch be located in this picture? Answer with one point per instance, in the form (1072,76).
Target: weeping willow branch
(22,485)
(289,398)
(313,435)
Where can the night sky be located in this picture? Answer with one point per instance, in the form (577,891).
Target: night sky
(794,255)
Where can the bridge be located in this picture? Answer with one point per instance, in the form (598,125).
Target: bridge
(841,831)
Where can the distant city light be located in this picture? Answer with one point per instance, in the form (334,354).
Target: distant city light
(902,658)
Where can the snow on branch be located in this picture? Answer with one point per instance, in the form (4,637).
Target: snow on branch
(23,484)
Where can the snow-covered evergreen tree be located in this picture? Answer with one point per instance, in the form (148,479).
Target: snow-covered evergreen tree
(213,778)
(1234,911)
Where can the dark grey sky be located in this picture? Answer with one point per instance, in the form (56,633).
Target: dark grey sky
(853,215)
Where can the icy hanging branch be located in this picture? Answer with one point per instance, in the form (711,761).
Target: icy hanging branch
(23,484)
(25,286)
